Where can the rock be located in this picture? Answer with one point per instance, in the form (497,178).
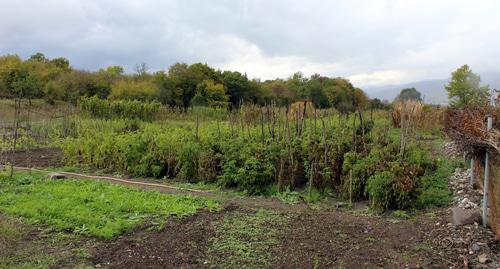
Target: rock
(341,204)
(56,176)
(483,258)
(465,216)
(475,247)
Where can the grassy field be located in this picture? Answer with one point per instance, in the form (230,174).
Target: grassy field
(90,208)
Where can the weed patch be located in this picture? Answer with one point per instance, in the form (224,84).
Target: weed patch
(90,208)
(246,240)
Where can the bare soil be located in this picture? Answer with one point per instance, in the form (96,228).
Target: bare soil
(315,239)
(36,158)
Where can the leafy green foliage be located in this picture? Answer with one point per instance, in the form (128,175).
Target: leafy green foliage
(433,187)
(246,240)
(123,109)
(180,86)
(288,197)
(88,207)
(254,162)
(464,88)
(248,167)
(209,93)
(129,89)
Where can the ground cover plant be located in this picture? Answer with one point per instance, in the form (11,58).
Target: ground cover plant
(88,207)
(246,240)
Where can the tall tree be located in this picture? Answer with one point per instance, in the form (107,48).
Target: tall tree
(21,83)
(409,94)
(341,94)
(38,57)
(237,86)
(464,88)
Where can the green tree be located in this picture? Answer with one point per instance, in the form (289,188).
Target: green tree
(376,103)
(341,95)
(7,64)
(38,57)
(317,94)
(70,86)
(237,86)
(187,77)
(409,94)
(360,100)
(21,83)
(298,84)
(279,93)
(210,93)
(61,63)
(464,88)
(168,92)
(129,89)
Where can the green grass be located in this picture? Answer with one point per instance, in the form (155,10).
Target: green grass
(9,231)
(288,197)
(90,208)
(434,191)
(246,240)
(46,250)
(32,262)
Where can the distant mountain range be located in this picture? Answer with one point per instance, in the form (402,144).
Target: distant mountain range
(432,90)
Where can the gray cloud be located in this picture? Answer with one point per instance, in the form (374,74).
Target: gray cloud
(371,42)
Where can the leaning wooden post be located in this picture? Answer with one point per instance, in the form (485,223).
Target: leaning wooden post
(262,124)
(350,187)
(486,178)
(314,120)
(16,130)
(311,178)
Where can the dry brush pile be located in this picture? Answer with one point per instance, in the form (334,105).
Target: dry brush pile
(468,128)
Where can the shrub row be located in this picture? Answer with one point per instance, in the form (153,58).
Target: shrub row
(123,109)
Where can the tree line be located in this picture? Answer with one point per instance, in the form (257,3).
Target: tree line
(181,85)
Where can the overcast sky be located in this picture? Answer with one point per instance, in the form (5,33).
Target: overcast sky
(372,42)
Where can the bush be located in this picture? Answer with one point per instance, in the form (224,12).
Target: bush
(364,167)
(379,190)
(250,169)
(123,109)
(187,165)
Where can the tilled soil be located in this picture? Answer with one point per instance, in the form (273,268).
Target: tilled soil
(44,157)
(314,239)
(179,245)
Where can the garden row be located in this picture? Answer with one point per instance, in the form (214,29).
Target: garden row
(330,153)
